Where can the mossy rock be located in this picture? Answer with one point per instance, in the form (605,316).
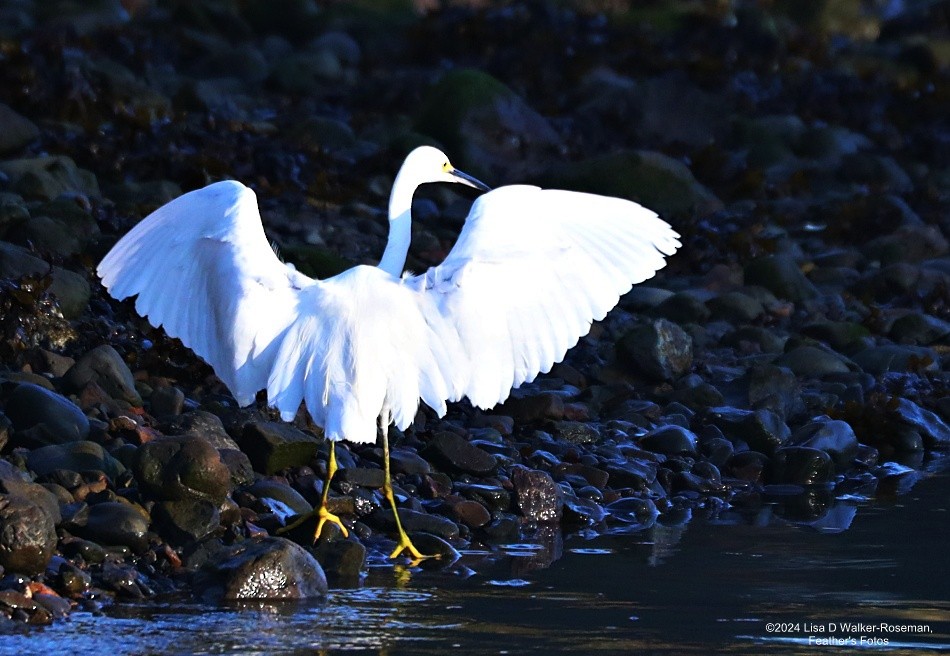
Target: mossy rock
(486,127)
(315,261)
(652,179)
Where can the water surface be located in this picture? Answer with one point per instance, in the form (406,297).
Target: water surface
(699,587)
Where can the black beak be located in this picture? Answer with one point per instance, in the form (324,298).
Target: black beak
(466,179)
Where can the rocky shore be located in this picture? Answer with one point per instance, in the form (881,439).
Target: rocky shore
(795,352)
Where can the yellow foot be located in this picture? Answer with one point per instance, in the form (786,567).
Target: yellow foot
(327,516)
(405,544)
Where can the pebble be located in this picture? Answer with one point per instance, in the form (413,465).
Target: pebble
(176,468)
(536,496)
(114,523)
(31,405)
(447,450)
(272,447)
(661,350)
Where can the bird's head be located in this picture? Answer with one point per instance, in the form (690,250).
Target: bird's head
(427,164)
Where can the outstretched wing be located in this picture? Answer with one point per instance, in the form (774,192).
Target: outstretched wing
(531,270)
(347,346)
(203,269)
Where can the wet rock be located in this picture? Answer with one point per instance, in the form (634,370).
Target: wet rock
(813,362)
(412,521)
(670,440)
(49,177)
(19,606)
(15,131)
(932,429)
(76,457)
(283,499)
(536,496)
(765,340)
(104,366)
(200,423)
(432,545)
(747,466)
(661,350)
(454,453)
(30,405)
(879,360)
(342,560)
(405,461)
(576,432)
(493,497)
(835,437)
(800,465)
(471,513)
(238,464)
(70,289)
(781,275)
(182,468)
(774,388)
(844,336)
(35,493)
(273,446)
(27,535)
(183,521)
(113,522)
(13,212)
(491,131)
(634,474)
(652,179)
(762,430)
(532,407)
(371,477)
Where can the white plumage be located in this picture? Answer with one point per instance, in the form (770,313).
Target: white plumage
(530,271)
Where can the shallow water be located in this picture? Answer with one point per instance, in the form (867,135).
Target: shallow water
(701,587)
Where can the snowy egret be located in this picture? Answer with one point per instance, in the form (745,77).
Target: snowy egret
(530,271)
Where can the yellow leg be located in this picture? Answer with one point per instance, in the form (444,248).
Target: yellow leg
(405,544)
(322,513)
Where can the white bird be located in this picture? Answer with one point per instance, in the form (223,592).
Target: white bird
(532,268)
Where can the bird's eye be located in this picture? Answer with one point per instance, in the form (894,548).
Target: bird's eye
(446,167)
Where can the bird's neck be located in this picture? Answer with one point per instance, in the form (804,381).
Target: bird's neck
(400,226)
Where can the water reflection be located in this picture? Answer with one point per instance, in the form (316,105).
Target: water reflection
(684,584)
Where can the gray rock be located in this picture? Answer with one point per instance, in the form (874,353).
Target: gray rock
(844,336)
(491,131)
(104,366)
(47,178)
(406,461)
(471,513)
(682,307)
(735,307)
(781,275)
(661,350)
(835,437)
(747,466)
(766,340)
(774,388)
(919,328)
(879,360)
(268,568)
(371,477)
(168,400)
(59,226)
(762,430)
(76,457)
(272,446)
(15,131)
(239,465)
(13,212)
(909,243)
(813,362)
(537,497)
(653,179)
(670,441)
(29,405)
(182,468)
(115,523)
(70,289)
(342,560)
(27,535)
(454,453)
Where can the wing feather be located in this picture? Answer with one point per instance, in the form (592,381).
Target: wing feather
(531,270)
